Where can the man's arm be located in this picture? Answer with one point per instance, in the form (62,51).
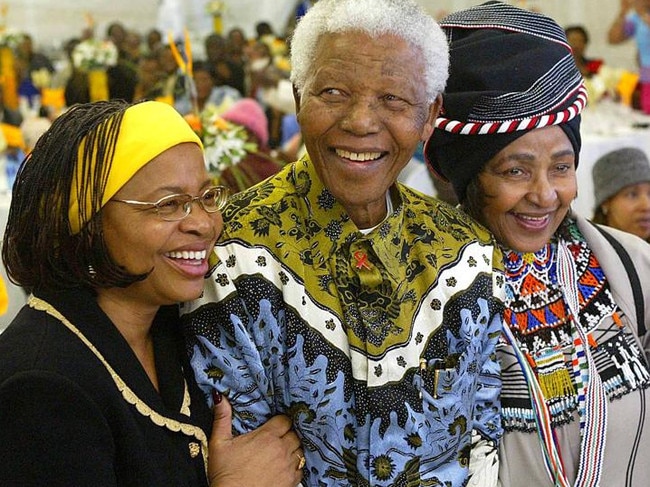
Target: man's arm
(484,456)
(619,31)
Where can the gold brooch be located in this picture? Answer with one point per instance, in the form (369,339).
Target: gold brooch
(195,449)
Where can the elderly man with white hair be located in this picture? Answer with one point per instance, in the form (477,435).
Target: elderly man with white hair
(364,310)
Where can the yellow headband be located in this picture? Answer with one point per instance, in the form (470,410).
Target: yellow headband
(148,129)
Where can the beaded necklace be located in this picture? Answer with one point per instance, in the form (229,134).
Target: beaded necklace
(550,275)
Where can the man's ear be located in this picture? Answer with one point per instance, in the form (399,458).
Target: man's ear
(429,125)
(296,98)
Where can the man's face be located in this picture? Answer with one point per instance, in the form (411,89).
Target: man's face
(362,113)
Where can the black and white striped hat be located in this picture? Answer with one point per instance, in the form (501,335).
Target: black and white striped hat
(511,71)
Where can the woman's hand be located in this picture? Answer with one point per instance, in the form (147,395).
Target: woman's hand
(269,456)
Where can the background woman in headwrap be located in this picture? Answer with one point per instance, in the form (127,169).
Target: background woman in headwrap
(574,368)
(622,191)
(258,163)
(112,219)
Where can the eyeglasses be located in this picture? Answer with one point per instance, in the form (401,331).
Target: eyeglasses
(177,206)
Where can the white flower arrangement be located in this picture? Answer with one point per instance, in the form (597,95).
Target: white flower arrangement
(94,54)
(224,142)
(215,7)
(10,37)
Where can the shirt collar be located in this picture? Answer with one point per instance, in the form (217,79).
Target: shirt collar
(331,220)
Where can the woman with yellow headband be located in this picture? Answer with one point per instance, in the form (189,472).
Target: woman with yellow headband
(112,219)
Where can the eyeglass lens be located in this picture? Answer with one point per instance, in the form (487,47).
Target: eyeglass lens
(178,206)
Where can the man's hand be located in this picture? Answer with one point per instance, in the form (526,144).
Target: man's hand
(269,456)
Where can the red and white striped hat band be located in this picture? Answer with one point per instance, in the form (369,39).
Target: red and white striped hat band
(502,127)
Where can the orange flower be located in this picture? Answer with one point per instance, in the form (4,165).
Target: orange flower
(194,121)
(221,124)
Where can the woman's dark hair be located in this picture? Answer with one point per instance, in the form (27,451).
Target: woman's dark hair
(263,28)
(77,88)
(474,200)
(207,67)
(599,216)
(40,250)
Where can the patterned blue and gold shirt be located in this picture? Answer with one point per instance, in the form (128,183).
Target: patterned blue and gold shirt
(380,347)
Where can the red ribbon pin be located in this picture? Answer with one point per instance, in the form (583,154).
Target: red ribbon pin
(362,260)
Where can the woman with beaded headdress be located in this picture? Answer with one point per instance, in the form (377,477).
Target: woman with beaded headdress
(574,349)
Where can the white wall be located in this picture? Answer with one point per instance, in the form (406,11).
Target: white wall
(52,21)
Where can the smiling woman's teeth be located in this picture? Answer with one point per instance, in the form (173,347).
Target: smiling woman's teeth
(358,156)
(187,254)
(532,218)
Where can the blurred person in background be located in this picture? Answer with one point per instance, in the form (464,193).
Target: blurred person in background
(633,21)
(31,66)
(226,71)
(237,46)
(150,76)
(153,41)
(258,164)
(208,92)
(578,38)
(622,191)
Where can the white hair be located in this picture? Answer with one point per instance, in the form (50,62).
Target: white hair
(401,18)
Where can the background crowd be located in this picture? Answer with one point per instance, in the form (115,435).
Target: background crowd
(201,82)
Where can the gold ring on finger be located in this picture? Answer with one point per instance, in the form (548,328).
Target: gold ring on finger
(301,461)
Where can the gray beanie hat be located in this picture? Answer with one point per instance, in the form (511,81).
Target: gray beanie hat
(617,169)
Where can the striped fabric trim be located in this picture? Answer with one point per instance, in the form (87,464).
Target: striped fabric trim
(551,453)
(593,408)
(494,127)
